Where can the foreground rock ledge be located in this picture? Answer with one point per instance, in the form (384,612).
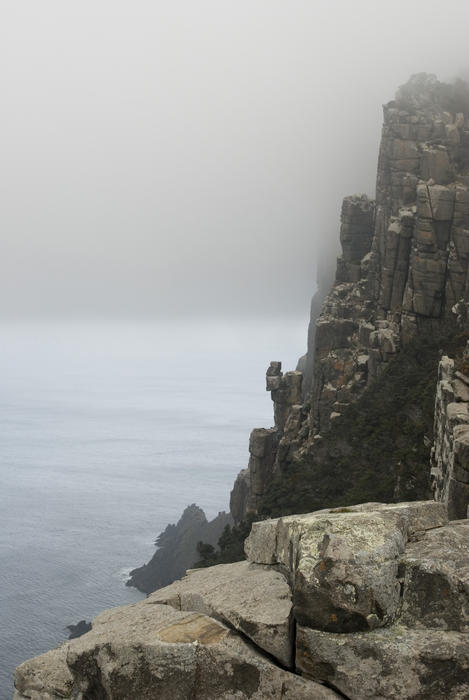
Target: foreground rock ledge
(149,652)
(364,602)
(343,563)
(253,599)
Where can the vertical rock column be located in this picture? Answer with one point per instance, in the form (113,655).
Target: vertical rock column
(450,453)
(251,483)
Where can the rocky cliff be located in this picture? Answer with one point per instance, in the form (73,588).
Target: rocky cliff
(177,548)
(402,280)
(352,601)
(366,602)
(450,453)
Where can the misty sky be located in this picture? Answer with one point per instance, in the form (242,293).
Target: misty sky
(190,157)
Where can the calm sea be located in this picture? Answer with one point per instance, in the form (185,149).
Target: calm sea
(107,431)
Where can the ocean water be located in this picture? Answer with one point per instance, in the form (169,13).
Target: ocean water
(107,431)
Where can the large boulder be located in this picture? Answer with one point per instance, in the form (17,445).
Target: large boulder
(253,599)
(343,563)
(435,573)
(153,652)
(393,663)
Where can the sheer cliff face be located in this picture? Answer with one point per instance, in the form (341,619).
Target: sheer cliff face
(403,272)
(450,452)
(405,256)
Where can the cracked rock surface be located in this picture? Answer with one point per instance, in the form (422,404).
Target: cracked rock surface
(152,651)
(370,601)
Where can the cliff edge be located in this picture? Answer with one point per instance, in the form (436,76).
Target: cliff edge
(365,602)
(399,299)
(351,601)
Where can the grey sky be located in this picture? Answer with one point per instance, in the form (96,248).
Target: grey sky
(191,156)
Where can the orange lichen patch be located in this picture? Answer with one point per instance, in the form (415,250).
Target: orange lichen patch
(322,565)
(333,617)
(343,365)
(194,628)
(425,236)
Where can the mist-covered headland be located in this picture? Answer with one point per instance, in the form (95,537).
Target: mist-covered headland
(355,578)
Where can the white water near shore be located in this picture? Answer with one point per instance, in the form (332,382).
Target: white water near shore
(107,431)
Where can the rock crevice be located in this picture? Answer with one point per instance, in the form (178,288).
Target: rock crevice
(313,632)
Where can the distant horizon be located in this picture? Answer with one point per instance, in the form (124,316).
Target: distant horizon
(175,317)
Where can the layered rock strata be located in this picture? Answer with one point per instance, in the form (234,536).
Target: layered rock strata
(370,601)
(450,453)
(403,271)
(405,256)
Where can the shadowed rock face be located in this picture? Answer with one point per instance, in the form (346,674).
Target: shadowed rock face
(388,663)
(450,453)
(370,600)
(177,549)
(435,572)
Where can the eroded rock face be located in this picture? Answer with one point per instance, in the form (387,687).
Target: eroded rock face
(154,652)
(396,663)
(343,565)
(228,632)
(264,444)
(450,453)
(258,605)
(435,575)
(404,268)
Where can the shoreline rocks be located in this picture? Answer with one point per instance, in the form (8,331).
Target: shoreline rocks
(177,549)
(391,579)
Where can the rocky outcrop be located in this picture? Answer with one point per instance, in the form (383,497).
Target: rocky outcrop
(82,627)
(177,549)
(266,444)
(450,453)
(389,663)
(370,601)
(151,652)
(403,273)
(325,275)
(343,565)
(259,605)
(404,263)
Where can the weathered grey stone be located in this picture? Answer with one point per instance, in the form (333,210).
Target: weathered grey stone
(388,663)
(435,165)
(285,394)
(153,652)
(450,453)
(343,564)
(435,572)
(240,495)
(45,677)
(356,231)
(426,283)
(253,599)
(274,369)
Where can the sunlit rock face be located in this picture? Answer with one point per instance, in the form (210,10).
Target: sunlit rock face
(369,601)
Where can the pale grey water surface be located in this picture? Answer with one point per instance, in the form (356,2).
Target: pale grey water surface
(107,431)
